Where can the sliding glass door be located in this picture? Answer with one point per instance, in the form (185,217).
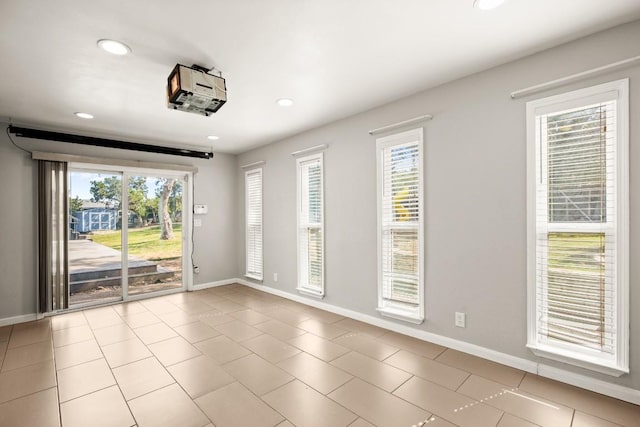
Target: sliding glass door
(125,234)
(154,233)
(95,236)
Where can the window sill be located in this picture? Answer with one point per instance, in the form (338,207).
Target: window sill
(253,277)
(400,315)
(576,359)
(311,292)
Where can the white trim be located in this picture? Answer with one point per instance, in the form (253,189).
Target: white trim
(616,391)
(124,236)
(399,315)
(574,77)
(398,310)
(132,170)
(397,125)
(311,292)
(300,285)
(617,91)
(250,165)
(608,389)
(113,301)
(103,161)
(188,236)
(207,285)
(87,305)
(505,359)
(623,196)
(252,277)
(577,360)
(309,150)
(254,171)
(6,321)
(149,295)
(125,172)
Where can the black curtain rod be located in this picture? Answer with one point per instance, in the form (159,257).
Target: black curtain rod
(103,142)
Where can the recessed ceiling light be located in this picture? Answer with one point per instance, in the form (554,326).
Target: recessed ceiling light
(285,102)
(84,115)
(487,4)
(213,137)
(113,46)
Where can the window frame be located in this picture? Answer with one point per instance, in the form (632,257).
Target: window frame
(617,91)
(394,309)
(302,284)
(254,275)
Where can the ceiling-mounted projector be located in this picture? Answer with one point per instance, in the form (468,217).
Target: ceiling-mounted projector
(195,90)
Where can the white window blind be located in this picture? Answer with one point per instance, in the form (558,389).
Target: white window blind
(400,229)
(579,285)
(310,225)
(253,192)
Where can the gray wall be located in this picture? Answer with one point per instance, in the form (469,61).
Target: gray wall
(475,172)
(215,241)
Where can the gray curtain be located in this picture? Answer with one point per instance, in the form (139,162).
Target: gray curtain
(53,233)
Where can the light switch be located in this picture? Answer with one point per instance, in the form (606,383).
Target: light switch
(461,320)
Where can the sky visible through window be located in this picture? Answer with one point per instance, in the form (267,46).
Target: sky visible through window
(80,184)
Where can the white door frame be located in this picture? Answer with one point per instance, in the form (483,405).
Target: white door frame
(187,226)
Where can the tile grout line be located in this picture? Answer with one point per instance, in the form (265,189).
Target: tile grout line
(522,379)
(4,354)
(413,404)
(463,382)
(294,378)
(373,385)
(434,358)
(403,383)
(55,370)
(391,355)
(423,378)
(323,395)
(175,382)
(440,354)
(26,366)
(111,369)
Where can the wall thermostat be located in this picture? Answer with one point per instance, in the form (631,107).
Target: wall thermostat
(200,209)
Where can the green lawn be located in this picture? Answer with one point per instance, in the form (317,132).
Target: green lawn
(145,242)
(580,252)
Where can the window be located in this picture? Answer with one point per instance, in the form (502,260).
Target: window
(310,225)
(253,206)
(400,226)
(578,227)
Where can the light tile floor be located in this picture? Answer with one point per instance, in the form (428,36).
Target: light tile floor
(235,356)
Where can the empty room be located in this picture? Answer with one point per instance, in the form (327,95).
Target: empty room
(277,213)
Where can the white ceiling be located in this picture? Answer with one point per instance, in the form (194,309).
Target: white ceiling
(333,57)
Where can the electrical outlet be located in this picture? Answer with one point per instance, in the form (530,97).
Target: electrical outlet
(461,320)
(275,277)
(196,269)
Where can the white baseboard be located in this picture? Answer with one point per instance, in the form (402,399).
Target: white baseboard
(485,353)
(18,319)
(608,389)
(208,285)
(613,390)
